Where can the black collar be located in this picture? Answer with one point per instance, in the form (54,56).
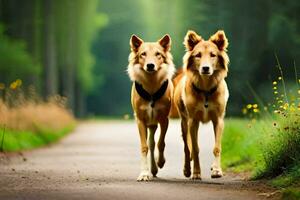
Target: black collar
(151,97)
(205,93)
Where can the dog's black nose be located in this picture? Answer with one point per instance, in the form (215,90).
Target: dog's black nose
(205,68)
(150,66)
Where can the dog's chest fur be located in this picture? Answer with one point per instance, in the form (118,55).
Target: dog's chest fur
(194,104)
(151,114)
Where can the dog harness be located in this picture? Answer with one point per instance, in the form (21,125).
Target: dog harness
(206,94)
(152,98)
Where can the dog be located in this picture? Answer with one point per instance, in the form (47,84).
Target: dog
(201,95)
(151,69)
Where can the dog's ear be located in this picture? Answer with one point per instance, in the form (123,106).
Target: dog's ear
(219,38)
(135,43)
(165,42)
(191,39)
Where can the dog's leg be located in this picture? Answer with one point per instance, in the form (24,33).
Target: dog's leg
(218,130)
(187,154)
(153,166)
(144,174)
(161,143)
(193,126)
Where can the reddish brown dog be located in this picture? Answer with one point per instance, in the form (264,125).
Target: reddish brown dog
(151,69)
(201,95)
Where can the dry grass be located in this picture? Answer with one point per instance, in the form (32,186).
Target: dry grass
(27,121)
(20,112)
(32,116)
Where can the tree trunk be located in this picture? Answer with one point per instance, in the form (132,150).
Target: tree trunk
(50,65)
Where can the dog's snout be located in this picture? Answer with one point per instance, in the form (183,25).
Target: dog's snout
(205,68)
(150,66)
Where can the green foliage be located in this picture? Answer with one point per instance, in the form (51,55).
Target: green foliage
(282,152)
(291,194)
(266,151)
(289,177)
(22,140)
(240,145)
(15,61)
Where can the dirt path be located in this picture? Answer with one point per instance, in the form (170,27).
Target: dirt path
(101,161)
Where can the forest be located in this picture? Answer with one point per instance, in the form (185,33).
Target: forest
(79,48)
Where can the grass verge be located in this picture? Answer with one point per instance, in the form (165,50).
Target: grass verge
(24,140)
(27,121)
(268,148)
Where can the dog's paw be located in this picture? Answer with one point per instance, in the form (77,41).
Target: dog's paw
(216,173)
(144,176)
(154,170)
(196,176)
(161,161)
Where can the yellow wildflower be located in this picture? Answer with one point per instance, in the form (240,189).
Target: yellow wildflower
(255,106)
(249,106)
(275,92)
(275,88)
(13,85)
(2,86)
(274,82)
(292,109)
(255,110)
(18,82)
(279,78)
(244,111)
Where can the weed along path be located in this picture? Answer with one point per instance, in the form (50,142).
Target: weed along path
(100,160)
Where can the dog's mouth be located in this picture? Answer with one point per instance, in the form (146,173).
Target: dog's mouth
(150,70)
(206,73)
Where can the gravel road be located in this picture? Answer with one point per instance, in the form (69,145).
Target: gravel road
(100,160)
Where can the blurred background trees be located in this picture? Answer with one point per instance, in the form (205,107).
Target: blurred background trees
(79,48)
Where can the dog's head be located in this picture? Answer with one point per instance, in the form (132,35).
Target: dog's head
(150,57)
(206,56)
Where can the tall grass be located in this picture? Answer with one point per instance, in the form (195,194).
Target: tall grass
(35,116)
(27,121)
(281,152)
(268,144)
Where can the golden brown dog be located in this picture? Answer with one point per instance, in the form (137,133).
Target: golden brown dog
(151,69)
(201,95)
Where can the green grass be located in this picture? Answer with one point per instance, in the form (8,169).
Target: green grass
(268,148)
(291,193)
(24,140)
(240,146)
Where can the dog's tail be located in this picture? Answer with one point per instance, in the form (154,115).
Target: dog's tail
(175,80)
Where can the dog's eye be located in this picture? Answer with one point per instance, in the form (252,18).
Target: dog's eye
(143,54)
(157,54)
(198,55)
(212,55)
